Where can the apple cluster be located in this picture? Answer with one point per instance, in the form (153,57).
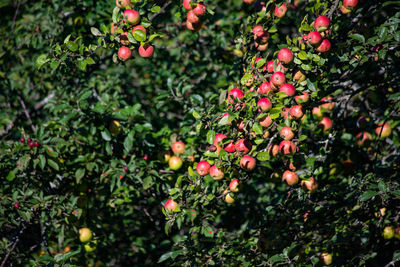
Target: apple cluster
(316,38)
(129,27)
(30,142)
(195,12)
(348,6)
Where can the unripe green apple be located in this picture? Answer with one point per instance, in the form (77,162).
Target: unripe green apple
(85,235)
(388,232)
(90,247)
(175,163)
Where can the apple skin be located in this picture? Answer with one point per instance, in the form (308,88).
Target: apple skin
(280,11)
(124,53)
(186,4)
(122,3)
(287,147)
(146,51)
(327,106)
(265,122)
(325,124)
(171,206)
(350,3)
(192,18)
(90,247)
(299,76)
(235,93)
(288,89)
(310,185)
(228,197)
(218,138)
(139,27)
(230,148)
(326,258)
(249,2)
(258,31)
(314,38)
(248,163)
(216,173)
(264,69)
(175,163)
(296,111)
(274,150)
(270,66)
(264,88)
(383,130)
(178,147)
(344,10)
(301,99)
(200,10)
(317,112)
(203,168)
(115,128)
(324,47)
(243,146)
(388,232)
(286,113)
(363,138)
(290,177)
(278,78)
(322,21)
(234,185)
(286,133)
(285,56)
(264,104)
(132,16)
(85,235)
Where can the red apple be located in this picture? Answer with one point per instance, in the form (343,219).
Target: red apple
(264,68)
(264,88)
(235,93)
(383,130)
(203,168)
(325,46)
(240,125)
(218,138)
(243,146)
(296,112)
(327,106)
(216,173)
(285,113)
(350,3)
(264,104)
(178,147)
(321,21)
(258,31)
(132,16)
(286,133)
(363,138)
(186,4)
(314,38)
(278,78)
(317,112)
(288,89)
(301,99)
(234,185)
(230,148)
(280,11)
(200,10)
(192,18)
(274,150)
(146,51)
(228,197)
(325,124)
(287,147)
(311,185)
(122,3)
(261,47)
(285,56)
(139,27)
(265,121)
(270,66)
(290,177)
(175,163)
(249,2)
(171,205)
(247,163)
(124,53)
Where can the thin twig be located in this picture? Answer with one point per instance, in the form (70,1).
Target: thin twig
(161,11)
(15,15)
(334,7)
(44,101)
(26,113)
(9,253)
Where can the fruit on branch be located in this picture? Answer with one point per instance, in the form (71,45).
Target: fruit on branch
(285,56)
(228,197)
(146,51)
(235,93)
(265,121)
(247,163)
(186,4)
(200,10)
(280,11)
(193,26)
(243,146)
(309,185)
(203,168)
(230,148)
(344,10)
(317,112)
(90,247)
(175,163)
(287,147)
(124,38)
(264,88)
(363,138)
(285,113)
(218,138)
(325,124)
(171,205)
(388,232)
(278,78)
(124,53)
(234,185)
(291,178)
(192,18)
(296,111)
(299,76)
(326,258)
(321,22)
(286,133)
(288,89)
(264,68)
(216,173)
(383,130)
(178,147)
(122,3)
(349,4)
(270,66)
(249,2)
(273,150)
(325,46)
(314,38)
(132,16)
(115,128)
(85,235)
(264,104)
(258,31)
(327,106)
(300,99)
(139,27)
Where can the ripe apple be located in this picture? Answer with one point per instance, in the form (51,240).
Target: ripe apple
(274,150)
(299,76)
(286,133)
(167,157)
(264,69)
(90,247)
(285,113)
(265,121)
(264,104)
(264,88)
(363,138)
(186,4)
(234,185)
(248,163)
(290,177)
(132,16)
(326,258)
(178,147)
(230,148)
(115,128)
(85,235)
(243,146)
(203,168)
(146,51)
(301,99)
(171,205)
(388,232)
(325,46)
(270,66)
(287,147)
(139,27)
(216,173)
(296,111)
(325,124)
(124,53)
(262,39)
(285,55)
(314,38)
(218,138)
(278,78)
(311,185)
(175,163)
(258,31)
(327,106)
(321,21)
(228,197)
(192,18)
(235,93)
(200,10)
(280,11)
(124,38)
(122,3)
(288,89)
(350,3)
(383,130)
(317,112)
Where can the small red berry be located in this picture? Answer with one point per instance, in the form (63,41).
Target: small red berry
(22,140)
(126,168)
(31,145)
(16,205)
(29,140)
(36,144)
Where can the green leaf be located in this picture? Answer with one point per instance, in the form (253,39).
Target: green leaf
(115,14)
(10,176)
(95,31)
(139,35)
(73,47)
(245,78)
(172,255)
(53,164)
(106,135)
(54,64)
(263,156)
(155,9)
(210,137)
(79,173)
(147,182)
(257,128)
(42,162)
(128,142)
(41,60)
(196,115)
(302,55)
(367,195)
(310,85)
